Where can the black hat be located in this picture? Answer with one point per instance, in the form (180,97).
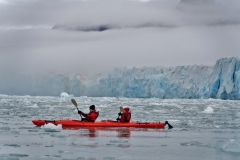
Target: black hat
(92,107)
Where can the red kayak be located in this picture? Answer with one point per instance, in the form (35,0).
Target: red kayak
(103,123)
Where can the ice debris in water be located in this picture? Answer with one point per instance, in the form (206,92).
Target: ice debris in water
(86,144)
(65,95)
(118,141)
(4,128)
(208,110)
(12,145)
(110,158)
(66,152)
(12,156)
(52,128)
(231,146)
(18,155)
(192,143)
(33,106)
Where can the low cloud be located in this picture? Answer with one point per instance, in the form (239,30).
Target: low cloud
(97,36)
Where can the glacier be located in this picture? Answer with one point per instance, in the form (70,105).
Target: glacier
(220,81)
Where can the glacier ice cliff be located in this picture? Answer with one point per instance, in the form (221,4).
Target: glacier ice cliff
(221,81)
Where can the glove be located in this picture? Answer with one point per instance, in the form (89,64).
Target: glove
(119,114)
(79,112)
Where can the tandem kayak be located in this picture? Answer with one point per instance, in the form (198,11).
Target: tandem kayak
(103,123)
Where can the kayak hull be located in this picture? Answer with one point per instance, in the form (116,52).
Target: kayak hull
(103,123)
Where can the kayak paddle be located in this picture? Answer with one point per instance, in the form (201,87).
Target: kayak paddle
(121,111)
(75,104)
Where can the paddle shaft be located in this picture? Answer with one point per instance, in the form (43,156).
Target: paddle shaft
(121,111)
(75,104)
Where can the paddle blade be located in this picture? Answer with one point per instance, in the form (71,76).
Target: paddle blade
(74,102)
(169,126)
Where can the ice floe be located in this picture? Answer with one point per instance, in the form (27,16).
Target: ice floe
(51,127)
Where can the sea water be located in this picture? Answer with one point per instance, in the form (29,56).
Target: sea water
(203,129)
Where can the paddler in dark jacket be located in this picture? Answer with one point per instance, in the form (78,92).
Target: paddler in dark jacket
(125,114)
(91,116)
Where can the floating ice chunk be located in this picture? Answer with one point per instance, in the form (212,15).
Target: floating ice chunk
(192,143)
(34,106)
(231,146)
(208,110)
(52,128)
(65,95)
(66,152)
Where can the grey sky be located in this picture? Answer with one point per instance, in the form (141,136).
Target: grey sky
(149,33)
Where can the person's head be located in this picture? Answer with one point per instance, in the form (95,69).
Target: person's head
(121,109)
(126,109)
(92,107)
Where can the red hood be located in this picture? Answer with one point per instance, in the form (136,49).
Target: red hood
(126,109)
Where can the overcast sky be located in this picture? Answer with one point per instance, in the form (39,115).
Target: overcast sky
(138,33)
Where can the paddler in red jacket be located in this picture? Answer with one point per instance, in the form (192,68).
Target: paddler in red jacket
(91,116)
(125,114)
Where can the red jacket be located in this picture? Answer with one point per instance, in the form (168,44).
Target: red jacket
(126,116)
(91,116)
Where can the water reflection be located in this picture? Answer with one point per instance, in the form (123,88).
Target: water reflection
(93,132)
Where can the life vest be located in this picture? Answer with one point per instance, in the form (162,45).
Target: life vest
(126,116)
(91,116)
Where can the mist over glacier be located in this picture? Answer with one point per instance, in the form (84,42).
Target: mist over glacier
(194,81)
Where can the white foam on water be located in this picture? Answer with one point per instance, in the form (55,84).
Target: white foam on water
(51,127)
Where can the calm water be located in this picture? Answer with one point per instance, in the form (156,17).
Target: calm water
(203,129)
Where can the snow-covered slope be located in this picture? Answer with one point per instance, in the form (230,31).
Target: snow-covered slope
(219,81)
